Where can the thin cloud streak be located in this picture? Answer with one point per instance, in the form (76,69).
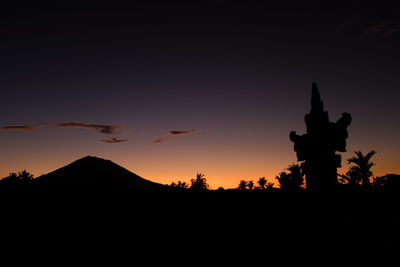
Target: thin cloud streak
(390,32)
(100,128)
(383,30)
(162,140)
(21,127)
(175,133)
(113,141)
(105,129)
(362,27)
(377,28)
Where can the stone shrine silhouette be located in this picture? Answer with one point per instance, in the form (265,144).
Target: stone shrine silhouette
(317,148)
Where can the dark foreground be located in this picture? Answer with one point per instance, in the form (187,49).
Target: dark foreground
(233,224)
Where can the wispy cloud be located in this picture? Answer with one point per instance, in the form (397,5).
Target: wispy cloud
(377,28)
(365,27)
(390,32)
(104,129)
(113,141)
(175,133)
(100,128)
(383,29)
(162,140)
(21,127)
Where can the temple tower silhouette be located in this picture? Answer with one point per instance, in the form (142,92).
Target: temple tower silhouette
(317,148)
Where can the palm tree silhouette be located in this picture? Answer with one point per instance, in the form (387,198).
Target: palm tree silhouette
(351,178)
(361,171)
(297,175)
(12,176)
(270,186)
(20,178)
(200,183)
(250,185)
(262,182)
(242,185)
(283,180)
(25,176)
(179,185)
(292,180)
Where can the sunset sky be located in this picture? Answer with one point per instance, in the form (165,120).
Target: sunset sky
(168,89)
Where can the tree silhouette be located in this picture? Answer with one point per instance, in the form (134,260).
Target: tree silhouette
(270,186)
(200,183)
(179,185)
(250,185)
(242,185)
(351,178)
(296,175)
(361,171)
(262,182)
(283,180)
(389,182)
(12,176)
(25,176)
(20,178)
(293,180)
(246,185)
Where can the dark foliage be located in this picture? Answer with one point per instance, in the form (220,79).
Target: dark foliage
(199,183)
(292,181)
(388,182)
(262,182)
(13,178)
(242,185)
(179,185)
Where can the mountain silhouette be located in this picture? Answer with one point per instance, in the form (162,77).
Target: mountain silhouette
(98,173)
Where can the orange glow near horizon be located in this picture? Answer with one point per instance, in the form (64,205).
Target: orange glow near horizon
(220,170)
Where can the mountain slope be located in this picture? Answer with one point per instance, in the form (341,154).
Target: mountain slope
(97,172)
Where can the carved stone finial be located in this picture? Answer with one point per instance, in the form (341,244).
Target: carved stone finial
(316,104)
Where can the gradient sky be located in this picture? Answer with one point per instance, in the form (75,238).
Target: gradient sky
(168,89)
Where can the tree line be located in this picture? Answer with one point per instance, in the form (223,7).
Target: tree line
(359,176)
